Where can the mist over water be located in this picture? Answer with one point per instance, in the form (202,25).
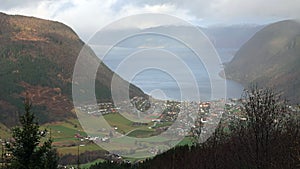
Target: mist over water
(152,80)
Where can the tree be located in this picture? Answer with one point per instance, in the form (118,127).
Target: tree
(262,134)
(28,152)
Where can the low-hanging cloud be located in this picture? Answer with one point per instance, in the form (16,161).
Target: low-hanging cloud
(9,4)
(88,16)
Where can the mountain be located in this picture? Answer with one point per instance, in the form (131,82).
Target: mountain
(233,36)
(226,39)
(37,59)
(270,58)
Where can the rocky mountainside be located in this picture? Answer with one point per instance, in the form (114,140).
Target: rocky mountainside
(37,58)
(270,58)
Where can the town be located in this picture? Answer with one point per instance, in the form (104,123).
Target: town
(162,114)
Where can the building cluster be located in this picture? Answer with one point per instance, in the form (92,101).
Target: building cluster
(177,117)
(98,109)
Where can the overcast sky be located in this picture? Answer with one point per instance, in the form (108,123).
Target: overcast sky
(88,16)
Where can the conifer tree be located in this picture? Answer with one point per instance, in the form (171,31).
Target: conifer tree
(28,152)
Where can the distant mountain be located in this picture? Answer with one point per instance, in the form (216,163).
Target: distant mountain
(233,36)
(37,57)
(226,39)
(270,58)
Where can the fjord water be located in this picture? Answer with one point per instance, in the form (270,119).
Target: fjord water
(162,84)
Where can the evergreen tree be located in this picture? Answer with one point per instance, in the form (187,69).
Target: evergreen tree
(26,148)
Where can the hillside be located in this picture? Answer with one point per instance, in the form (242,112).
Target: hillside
(270,58)
(37,57)
(232,37)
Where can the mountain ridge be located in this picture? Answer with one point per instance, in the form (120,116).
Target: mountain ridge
(37,58)
(270,58)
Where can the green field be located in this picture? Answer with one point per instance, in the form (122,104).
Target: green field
(124,125)
(74,149)
(141,133)
(5,132)
(185,141)
(64,140)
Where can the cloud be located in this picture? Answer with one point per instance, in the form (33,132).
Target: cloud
(88,16)
(236,9)
(232,10)
(9,4)
(43,9)
(84,16)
